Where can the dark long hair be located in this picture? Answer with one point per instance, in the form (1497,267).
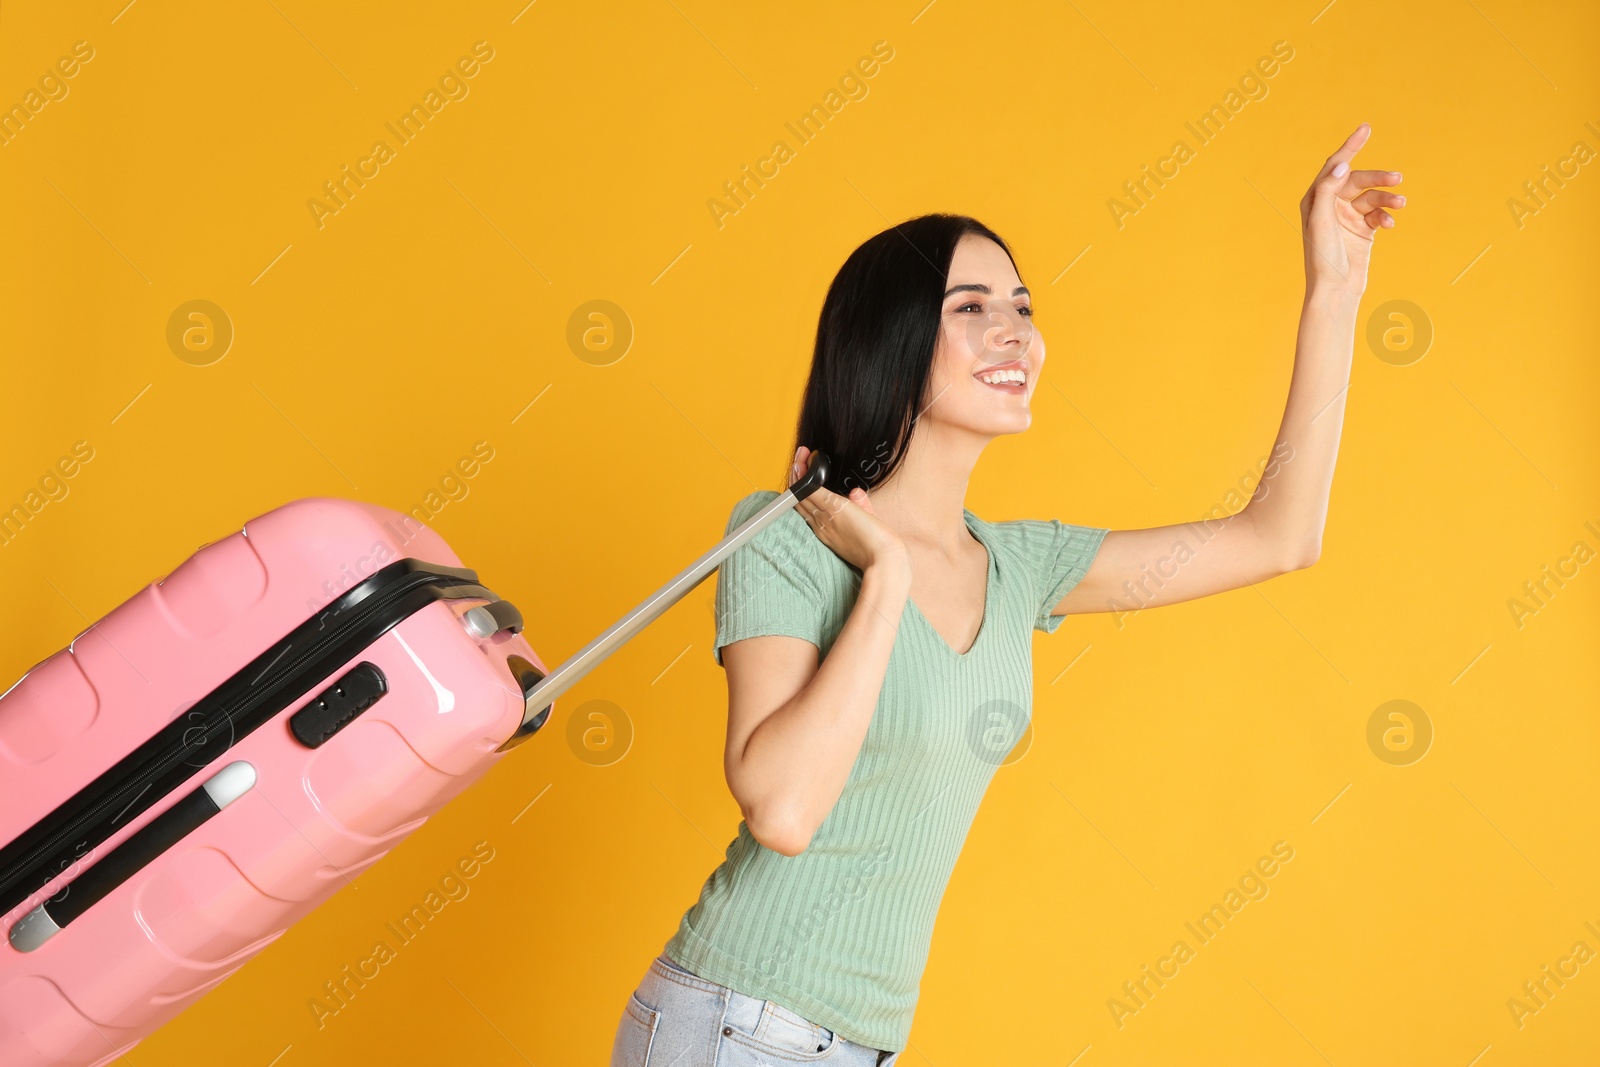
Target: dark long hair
(875,346)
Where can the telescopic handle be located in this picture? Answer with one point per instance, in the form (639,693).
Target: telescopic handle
(544,692)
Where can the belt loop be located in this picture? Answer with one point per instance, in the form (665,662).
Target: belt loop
(741,1011)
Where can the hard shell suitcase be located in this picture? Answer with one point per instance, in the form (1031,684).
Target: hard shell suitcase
(223,751)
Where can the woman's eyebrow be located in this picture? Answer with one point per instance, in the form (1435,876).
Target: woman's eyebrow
(1020,290)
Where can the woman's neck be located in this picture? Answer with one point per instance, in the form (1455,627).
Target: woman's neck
(923,500)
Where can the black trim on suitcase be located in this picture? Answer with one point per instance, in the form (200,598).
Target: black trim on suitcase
(129,858)
(255,694)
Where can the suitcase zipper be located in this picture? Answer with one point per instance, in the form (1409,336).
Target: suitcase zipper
(253,695)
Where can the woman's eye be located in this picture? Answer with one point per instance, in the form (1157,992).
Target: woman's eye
(1026,310)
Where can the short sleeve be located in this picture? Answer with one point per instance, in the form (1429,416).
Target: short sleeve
(768,585)
(1058,555)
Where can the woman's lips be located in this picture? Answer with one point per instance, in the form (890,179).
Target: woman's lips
(1011,370)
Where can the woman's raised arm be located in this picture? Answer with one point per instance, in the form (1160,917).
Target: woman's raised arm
(1280,528)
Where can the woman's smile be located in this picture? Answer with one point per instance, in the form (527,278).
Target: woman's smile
(1010,377)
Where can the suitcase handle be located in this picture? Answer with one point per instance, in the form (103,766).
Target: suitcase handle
(489,619)
(545,690)
(128,858)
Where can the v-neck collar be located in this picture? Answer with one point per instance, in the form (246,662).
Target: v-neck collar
(988,596)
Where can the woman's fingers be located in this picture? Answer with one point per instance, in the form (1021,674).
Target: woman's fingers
(1379,219)
(1346,152)
(1377,198)
(797,469)
(1357,180)
(821,506)
(1349,181)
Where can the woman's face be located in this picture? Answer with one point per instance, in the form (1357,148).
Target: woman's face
(989,355)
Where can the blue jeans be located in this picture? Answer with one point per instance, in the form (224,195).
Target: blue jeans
(678,1019)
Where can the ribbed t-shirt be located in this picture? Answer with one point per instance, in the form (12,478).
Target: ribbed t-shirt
(840,933)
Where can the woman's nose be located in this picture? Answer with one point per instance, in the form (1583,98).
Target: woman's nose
(1000,330)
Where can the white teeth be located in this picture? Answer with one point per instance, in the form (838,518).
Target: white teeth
(1003,376)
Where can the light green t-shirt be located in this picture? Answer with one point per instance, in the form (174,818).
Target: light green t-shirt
(840,933)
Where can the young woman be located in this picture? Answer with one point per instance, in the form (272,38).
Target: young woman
(876,640)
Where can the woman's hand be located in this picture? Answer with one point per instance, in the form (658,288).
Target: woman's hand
(846,523)
(1339,215)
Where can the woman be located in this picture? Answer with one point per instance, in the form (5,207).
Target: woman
(877,639)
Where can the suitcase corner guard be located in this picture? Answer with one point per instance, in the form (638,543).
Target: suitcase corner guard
(537,712)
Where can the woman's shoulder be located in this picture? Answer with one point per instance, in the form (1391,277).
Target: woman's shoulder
(1039,542)
(1026,533)
(748,505)
(1000,538)
(785,553)
(789,528)
(1001,534)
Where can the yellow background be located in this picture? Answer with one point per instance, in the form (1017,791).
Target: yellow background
(371,353)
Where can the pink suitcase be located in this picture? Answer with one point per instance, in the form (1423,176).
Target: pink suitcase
(223,751)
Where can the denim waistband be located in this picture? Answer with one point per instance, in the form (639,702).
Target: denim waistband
(743,1011)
